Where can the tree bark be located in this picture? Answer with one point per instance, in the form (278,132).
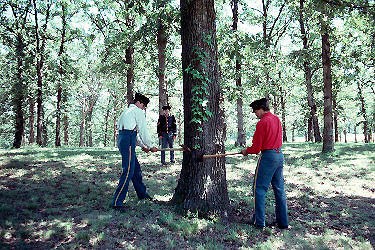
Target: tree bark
(241,134)
(31,120)
(308,76)
(335,118)
(363,112)
(129,60)
(162,44)
(61,76)
(202,186)
(18,95)
(40,38)
(328,142)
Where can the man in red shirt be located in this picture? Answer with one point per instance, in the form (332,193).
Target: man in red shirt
(267,139)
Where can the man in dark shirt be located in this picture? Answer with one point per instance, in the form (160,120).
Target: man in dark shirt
(167,129)
(267,139)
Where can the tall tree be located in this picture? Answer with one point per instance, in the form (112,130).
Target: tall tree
(41,41)
(202,186)
(61,72)
(308,75)
(162,39)
(241,135)
(328,140)
(16,28)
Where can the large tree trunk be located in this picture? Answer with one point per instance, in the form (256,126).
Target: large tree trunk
(18,95)
(328,142)
(202,186)
(308,76)
(241,135)
(162,44)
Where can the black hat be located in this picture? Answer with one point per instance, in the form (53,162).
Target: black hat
(141,98)
(165,107)
(260,104)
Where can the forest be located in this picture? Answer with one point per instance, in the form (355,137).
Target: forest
(69,68)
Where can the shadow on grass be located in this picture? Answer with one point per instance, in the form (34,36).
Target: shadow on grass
(41,202)
(351,215)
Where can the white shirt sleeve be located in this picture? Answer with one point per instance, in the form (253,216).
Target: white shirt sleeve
(143,134)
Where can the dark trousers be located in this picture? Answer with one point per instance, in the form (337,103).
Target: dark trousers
(270,171)
(167,141)
(131,170)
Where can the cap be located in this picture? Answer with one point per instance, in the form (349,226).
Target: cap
(141,98)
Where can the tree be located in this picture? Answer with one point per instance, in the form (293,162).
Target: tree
(241,135)
(328,140)
(308,76)
(202,186)
(16,27)
(41,39)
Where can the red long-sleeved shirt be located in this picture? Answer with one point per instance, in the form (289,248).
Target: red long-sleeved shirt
(267,135)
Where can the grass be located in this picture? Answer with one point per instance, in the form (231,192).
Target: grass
(59,198)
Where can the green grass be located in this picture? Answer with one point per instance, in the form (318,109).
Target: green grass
(59,198)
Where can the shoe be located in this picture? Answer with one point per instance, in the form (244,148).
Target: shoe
(258,227)
(173,162)
(283,227)
(148,197)
(121,208)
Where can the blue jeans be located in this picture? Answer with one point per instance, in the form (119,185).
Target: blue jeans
(270,171)
(167,141)
(131,170)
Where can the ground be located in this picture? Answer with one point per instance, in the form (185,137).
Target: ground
(59,198)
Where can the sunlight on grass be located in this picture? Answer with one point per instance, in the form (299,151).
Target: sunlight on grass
(62,198)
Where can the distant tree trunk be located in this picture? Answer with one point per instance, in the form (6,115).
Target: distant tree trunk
(61,76)
(106,122)
(363,112)
(241,134)
(40,38)
(114,120)
(162,44)
(335,118)
(129,60)
(82,127)
(310,134)
(328,142)
(283,111)
(89,142)
(345,136)
(31,120)
(18,95)
(202,186)
(65,118)
(308,76)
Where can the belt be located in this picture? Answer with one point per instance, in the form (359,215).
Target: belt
(278,150)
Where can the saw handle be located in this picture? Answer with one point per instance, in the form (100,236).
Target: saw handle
(171,149)
(220,155)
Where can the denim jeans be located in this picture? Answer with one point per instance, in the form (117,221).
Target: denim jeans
(270,171)
(131,170)
(167,141)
